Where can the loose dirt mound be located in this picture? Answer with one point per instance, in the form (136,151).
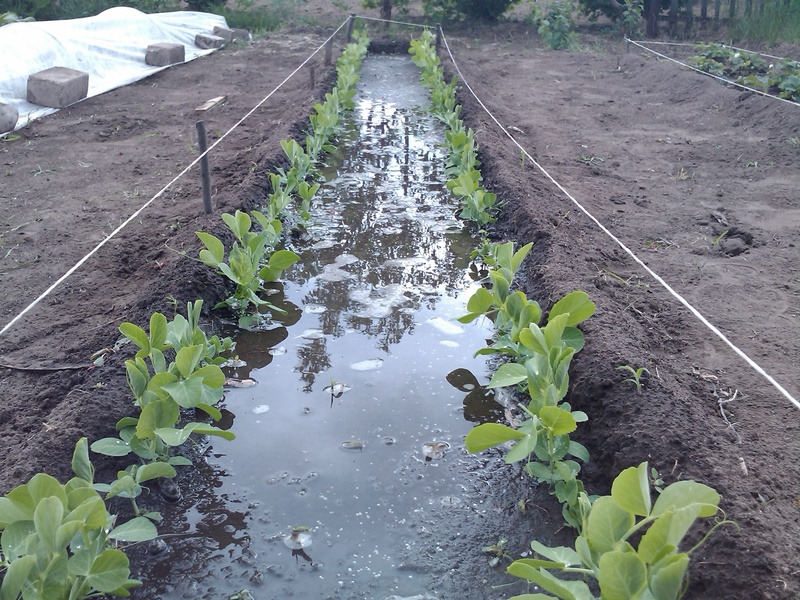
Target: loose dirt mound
(699,180)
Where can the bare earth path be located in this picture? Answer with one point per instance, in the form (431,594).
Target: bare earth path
(667,159)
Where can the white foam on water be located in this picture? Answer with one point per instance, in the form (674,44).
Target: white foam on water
(446,327)
(367,365)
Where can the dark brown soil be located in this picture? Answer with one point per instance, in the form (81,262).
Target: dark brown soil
(667,159)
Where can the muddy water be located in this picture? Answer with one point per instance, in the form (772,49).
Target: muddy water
(352,429)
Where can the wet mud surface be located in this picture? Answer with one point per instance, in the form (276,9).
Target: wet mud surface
(665,158)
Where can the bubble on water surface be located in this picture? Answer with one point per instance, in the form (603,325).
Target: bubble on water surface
(367,365)
(314,309)
(449,343)
(312,334)
(446,327)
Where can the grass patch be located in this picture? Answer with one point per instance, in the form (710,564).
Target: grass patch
(778,23)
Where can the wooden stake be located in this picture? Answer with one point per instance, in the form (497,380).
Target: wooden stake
(350,23)
(329,49)
(205,175)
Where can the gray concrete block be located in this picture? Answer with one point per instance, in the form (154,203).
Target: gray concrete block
(164,54)
(206,41)
(225,33)
(57,87)
(8,117)
(241,35)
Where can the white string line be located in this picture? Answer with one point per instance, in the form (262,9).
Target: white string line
(395,22)
(111,235)
(627,250)
(694,44)
(727,81)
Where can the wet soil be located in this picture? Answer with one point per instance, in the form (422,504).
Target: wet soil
(667,159)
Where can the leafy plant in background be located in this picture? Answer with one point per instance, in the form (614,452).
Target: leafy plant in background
(780,79)
(57,540)
(632,20)
(655,568)
(555,25)
(451,10)
(477,204)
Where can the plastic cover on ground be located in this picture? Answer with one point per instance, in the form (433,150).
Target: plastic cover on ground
(110,47)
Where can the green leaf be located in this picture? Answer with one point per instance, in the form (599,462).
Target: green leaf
(15,539)
(606,525)
(668,530)
(176,437)
(573,337)
(91,512)
(188,358)
(154,470)
(560,554)
(532,337)
(179,461)
(631,490)
(158,330)
(480,302)
(666,580)
(109,571)
(623,576)
(138,529)
(160,413)
(282,260)
(215,252)
(43,486)
(559,421)
(525,445)
(519,256)
(576,304)
(16,576)
(212,376)
(47,518)
(684,493)
(508,374)
(111,447)
(487,435)
(81,465)
(187,393)
(578,451)
(525,569)
(135,334)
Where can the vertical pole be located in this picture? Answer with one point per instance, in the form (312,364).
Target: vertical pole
(717,7)
(438,35)
(202,141)
(689,17)
(732,10)
(350,22)
(329,49)
(313,77)
(704,9)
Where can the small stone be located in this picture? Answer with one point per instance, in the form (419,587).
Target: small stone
(169,489)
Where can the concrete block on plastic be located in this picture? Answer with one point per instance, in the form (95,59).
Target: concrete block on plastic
(225,33)
(164,54)
(57,87)
(207,41)
(8,117)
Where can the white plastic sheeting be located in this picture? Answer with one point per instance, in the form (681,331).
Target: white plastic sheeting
(110,47)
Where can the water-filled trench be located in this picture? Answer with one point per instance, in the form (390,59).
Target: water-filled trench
(355,426)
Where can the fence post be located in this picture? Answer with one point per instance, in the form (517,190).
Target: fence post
(313,77)
(349,35)
(329,48)
(689,16)
(202,141)
(438,35)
